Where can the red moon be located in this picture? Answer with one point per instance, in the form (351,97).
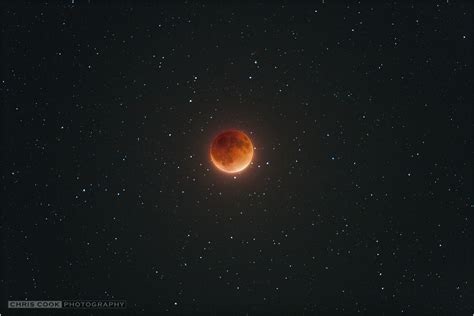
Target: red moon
(231,151)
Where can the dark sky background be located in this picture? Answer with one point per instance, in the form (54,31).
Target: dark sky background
(359,197)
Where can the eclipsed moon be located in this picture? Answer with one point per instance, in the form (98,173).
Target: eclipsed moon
(231,151)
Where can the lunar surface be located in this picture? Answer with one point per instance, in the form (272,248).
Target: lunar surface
(231,151)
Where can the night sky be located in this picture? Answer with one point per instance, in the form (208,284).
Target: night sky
(359,197)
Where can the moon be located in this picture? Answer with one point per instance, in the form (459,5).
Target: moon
(231,151)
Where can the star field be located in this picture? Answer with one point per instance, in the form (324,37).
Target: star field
(359,197)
